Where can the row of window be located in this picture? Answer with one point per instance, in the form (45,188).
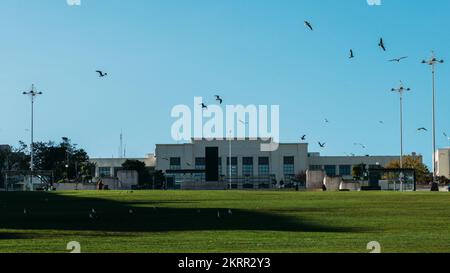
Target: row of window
(247,165)
(330,170)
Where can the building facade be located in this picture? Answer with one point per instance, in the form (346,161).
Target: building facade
(247,160)
(443,162)
(109,167)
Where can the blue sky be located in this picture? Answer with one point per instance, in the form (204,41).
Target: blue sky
(162,53)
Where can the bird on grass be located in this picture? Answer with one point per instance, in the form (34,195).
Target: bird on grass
(308,25)
(381,44)
(219,99)
(398,59)
(101,73)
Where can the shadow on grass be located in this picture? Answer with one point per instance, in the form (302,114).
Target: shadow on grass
(50,211)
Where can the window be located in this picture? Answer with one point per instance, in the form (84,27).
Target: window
(330,170)
(345,170)
(175,163)
(104,171)
(315,167)
(200,163)
(247,166)
(263,166)
(234,169)
(288,166)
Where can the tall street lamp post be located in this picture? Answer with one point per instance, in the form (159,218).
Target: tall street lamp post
(401,89)
(433,61)
(32,94)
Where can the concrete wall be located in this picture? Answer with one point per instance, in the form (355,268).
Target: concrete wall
(443,162)
(314,179)
(127,179)
(332,183)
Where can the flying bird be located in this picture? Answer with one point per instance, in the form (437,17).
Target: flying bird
(303,137)
(381,44)
(422,129)
(398,59)
(359,144)
(327,121)
(101,74)
(219,99)
(381,122)
(204,106)
(243,122)
(322,145)
(308,25)
(351,54)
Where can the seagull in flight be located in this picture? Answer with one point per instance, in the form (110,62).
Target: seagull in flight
(322,145)
(381,44)
(422,129)
(398,59)
(204,106)
(101,74)
(219,99)
(359,144)
(308,25)
(351,54)
(303,137)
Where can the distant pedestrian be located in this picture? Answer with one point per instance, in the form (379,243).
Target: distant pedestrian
(100,185)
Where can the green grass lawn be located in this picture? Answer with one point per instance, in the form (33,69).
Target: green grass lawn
(261,221)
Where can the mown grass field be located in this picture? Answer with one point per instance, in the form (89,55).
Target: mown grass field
(187,221)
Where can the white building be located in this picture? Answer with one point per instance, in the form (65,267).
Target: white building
(247,160)
(108,167)
(443,162)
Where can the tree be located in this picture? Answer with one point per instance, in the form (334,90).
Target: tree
(359,172)
(140,168)
(64,159)
(423,175)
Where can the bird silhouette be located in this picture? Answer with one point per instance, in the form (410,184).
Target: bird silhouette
(303,137)
(204,106)
(359,144)
(327,121)
(381,44)
(422,129)
(322,145)
(381,122)
(101,74)
(398,59)
(308,25)
(219,99)
(351,54)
